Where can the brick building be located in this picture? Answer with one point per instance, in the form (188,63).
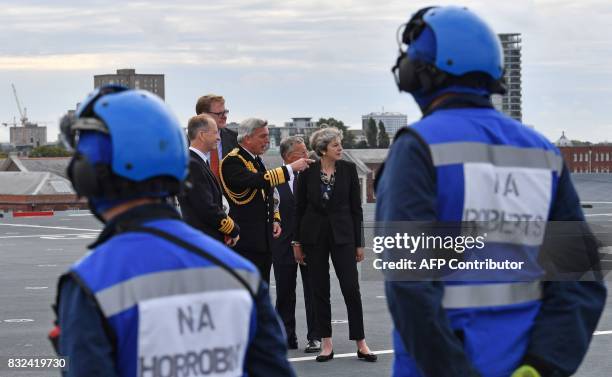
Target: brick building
(36,184)
(154,83)
(368,162)
(585,158)
(588,159)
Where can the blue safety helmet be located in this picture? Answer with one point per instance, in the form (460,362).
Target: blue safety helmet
(127,143)
(448,46)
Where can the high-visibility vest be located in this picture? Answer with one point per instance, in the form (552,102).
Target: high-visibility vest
(490,168)
(170,310)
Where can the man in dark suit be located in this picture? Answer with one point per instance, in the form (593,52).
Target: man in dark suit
(249,188)
(214,105)
(201,204)
(285,266)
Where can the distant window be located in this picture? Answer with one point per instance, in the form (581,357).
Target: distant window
(608,157)
(575,157)
(596,157)
(580,157)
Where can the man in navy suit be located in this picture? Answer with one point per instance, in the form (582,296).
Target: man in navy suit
(285,265)
(202,203)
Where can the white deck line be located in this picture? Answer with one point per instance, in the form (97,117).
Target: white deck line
(51,227)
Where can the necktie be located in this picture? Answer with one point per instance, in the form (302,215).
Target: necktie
(260,164)
(214,162)
(295,178)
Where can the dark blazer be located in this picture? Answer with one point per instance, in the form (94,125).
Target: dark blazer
(343,210)
(250,192)
(202,205)
(282,253)
(229,140)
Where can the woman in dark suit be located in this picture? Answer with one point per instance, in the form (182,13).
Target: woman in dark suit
(329,222)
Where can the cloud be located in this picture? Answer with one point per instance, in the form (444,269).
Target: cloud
(289,52)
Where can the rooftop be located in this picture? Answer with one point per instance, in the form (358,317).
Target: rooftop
(386,113)
(377,155)
(34,183)
(55,165)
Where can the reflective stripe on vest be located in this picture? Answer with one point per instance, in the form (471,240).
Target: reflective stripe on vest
(498,155)
(122,296)
(481,295)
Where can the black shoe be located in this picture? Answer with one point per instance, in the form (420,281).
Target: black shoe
(292,344)
(370,357)
(323,358)
(313,346)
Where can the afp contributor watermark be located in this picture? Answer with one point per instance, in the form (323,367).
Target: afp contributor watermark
(477,251)
(458,244)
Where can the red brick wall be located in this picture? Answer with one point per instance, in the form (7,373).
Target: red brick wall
(588,159)
(41,202)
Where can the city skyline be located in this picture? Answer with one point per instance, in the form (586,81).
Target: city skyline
(279,60)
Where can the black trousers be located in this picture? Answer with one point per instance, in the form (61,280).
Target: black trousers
(343,258)
(286,279)
(263,262)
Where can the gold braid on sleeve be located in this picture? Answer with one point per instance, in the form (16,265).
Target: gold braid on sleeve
(227,225)
(275,176)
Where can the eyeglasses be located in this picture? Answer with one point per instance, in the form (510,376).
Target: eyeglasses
(220,113)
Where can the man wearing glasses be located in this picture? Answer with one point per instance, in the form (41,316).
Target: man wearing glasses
(214,105)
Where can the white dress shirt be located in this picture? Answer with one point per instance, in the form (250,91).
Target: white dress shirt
(202,155)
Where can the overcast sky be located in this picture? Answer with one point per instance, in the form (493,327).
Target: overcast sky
(283,59)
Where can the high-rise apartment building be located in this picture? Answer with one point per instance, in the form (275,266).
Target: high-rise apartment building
(128,77)
(392,121)
(299,126)
(301,122)
(511,102)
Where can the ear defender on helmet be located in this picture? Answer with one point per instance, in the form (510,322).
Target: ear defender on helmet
(82,174)
(89,169)
(416,73)
(448,46)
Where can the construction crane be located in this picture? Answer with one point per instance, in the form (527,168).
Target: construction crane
(23,112)
(13,123)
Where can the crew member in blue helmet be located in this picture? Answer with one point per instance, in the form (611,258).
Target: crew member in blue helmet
(465,161)
(154,297)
